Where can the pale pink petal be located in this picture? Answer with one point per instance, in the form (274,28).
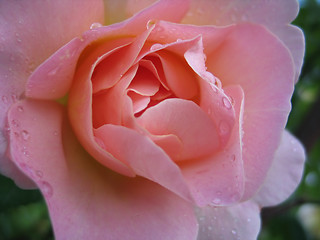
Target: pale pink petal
(85,200)
(107,106)
(143,156)
(167,10)
(275,15)
(285,172)
(145,82)
(241,221)
(179,76)
(139,102)
(29,33)
(188,122)
(80,114)
(253,58)
(219,179)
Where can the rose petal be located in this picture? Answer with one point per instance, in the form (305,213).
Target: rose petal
(167,10)
(253,58)
(22,50)
(185,120)
(143,156)
(275,15)
(145,82)
(81,118)
(241,221)
(219,179)
(286,168)
(85,200)
(139,102)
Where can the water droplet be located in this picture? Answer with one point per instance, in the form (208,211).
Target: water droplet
(179,40)
(53,72)
(95,25)
(4,99)
(15,123)
(234,232)
(14,98)
(156,47)
(214,88)
(55,133)
(151,23)
(233,157)
(25,152)
(46,189)
(18,38)
(224,128)
(216,201)
(226,103)
(20,108)
(39,174)
(25,135)
(249,220)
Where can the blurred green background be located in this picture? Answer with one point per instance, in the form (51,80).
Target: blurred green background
(23,214)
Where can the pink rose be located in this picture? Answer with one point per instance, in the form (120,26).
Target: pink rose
(168,124)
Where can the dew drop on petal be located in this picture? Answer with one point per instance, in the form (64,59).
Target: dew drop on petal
(39,174)
(156,47)
(216,201)
(4,99)
(95,25)
(20,108)
(234,232)
(226,103)
(25,135)
(224,128)
(46,189)
(53,72)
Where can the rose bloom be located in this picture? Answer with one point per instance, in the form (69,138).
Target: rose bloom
(151,119)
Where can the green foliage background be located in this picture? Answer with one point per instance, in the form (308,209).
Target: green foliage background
(23,214)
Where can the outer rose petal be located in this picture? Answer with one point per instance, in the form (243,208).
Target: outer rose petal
(285,172)
(85,200)
(22,50)
(275,15)
(241,221)
(253,58)
(219,179)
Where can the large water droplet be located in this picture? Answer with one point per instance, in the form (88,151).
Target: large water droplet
(46,189)
(226,103)
(15,123)
(53,72)
(20,108)
(4,99)
(25,135)
(156,47)
(224,128)
(216,201)
(95,25)
(18,38)
(39,174)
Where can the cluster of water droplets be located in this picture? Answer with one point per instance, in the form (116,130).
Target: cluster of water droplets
(23,139)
